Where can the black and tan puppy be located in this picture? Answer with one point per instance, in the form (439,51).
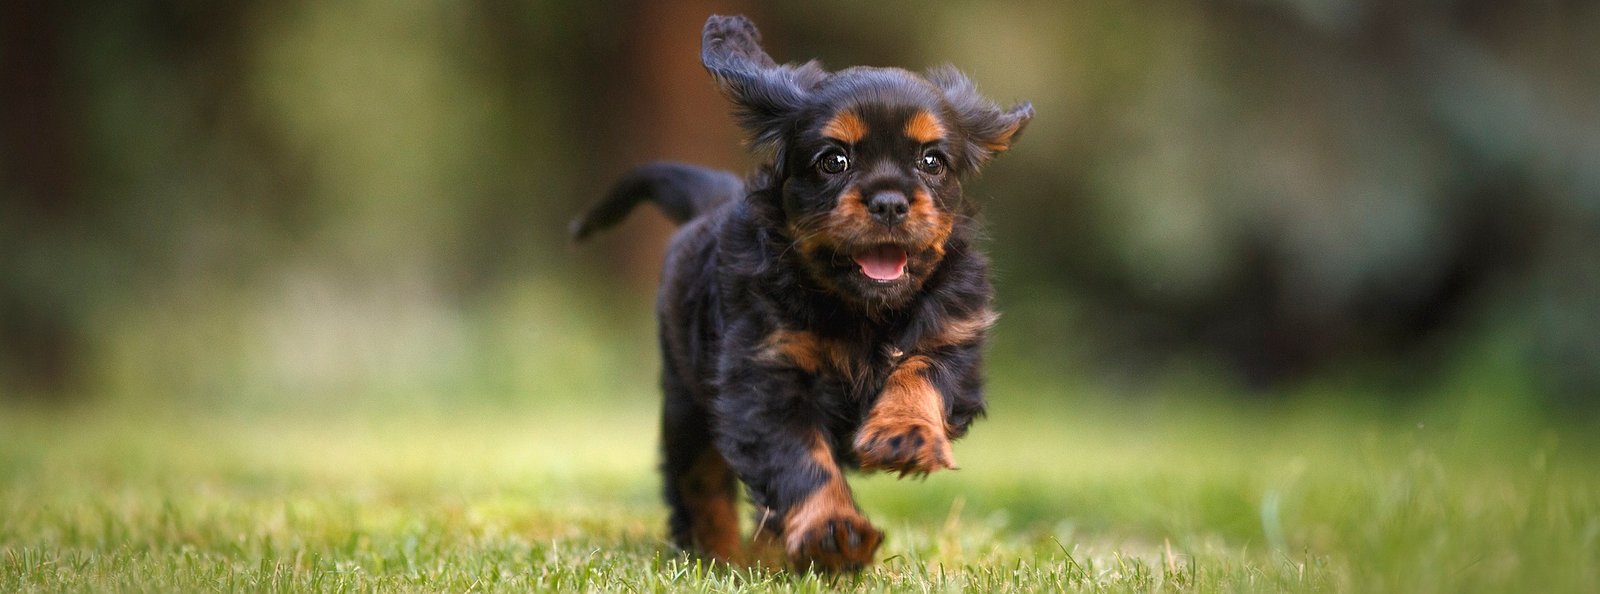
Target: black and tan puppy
(828,313)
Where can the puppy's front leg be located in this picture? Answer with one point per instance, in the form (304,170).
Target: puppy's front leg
(769,436)
(907,430)
(824,528)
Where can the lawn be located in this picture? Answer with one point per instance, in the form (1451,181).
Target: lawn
(1111,497)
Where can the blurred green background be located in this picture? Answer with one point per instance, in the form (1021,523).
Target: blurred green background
(326,206)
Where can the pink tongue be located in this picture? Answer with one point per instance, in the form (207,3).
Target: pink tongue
(883,263)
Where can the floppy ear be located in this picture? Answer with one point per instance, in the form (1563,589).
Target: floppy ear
(765,95)
(987,129)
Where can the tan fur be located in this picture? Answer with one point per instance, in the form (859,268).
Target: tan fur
(909,407)
(846,127)
(829,507)
(807,351)
(962,331)
(716,521)
(1002,142)
(924,127)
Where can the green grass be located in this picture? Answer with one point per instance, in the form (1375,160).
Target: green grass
(1134,498)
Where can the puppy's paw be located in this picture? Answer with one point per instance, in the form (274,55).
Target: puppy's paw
(907,446)
(840,542)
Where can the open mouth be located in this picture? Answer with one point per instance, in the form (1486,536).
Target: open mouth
(882,263)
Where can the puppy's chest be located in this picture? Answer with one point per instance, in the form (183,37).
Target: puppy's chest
(852,368)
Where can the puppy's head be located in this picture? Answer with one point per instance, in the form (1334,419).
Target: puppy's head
(867,161)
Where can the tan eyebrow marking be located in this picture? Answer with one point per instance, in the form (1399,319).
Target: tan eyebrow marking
(924,127)
(846,127)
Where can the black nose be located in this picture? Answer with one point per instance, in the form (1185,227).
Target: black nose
(888,208)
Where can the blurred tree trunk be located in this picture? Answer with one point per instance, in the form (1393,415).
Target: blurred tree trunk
(39,343)
(675,114)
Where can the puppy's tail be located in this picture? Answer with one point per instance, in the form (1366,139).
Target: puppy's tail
(681,191)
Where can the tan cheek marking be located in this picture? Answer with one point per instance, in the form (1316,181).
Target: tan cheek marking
(922,207)
(846,127)
(850,207)
(848,216)
(924,127)
(843,225)
(936,224)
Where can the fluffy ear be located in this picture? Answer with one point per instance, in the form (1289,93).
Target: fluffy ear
(987,129)
(765,95)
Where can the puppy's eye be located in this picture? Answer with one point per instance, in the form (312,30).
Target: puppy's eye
(931,164)
(833,163)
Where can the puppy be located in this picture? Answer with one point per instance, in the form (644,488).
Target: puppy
(829,312)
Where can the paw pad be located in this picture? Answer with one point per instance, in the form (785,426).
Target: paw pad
(837,544)
(909,447)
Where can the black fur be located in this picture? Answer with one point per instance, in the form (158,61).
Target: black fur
(680,191)
(777,346)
